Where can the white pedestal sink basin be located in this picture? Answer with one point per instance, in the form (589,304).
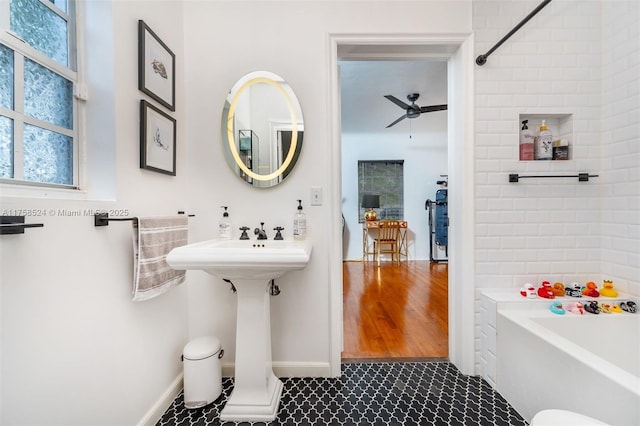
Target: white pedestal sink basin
(250,265)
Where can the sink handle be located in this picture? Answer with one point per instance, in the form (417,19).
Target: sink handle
(244,230)
(278,233)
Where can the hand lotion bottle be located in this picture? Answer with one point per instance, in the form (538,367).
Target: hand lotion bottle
(299,224)
(224,227)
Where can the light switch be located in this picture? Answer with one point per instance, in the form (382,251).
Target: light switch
(316,195)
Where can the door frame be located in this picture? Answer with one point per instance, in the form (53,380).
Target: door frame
(457,49)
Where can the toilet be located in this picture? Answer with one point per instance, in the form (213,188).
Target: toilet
(562,418)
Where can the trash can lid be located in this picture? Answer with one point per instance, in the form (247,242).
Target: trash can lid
(202,347)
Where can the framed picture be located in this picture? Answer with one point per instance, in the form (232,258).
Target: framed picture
(156,67)
(157,140)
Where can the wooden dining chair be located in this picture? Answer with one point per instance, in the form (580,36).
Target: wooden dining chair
(387,241)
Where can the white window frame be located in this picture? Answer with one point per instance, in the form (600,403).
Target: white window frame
(72,73)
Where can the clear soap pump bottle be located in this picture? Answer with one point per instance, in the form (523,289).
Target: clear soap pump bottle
(224,227)
(544,143)
(299,224)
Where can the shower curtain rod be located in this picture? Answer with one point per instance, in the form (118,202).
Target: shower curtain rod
(482,59)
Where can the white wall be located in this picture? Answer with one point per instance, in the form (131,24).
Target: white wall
(558,229)
(292,40)
(425,159)
(620,151)
(75,349)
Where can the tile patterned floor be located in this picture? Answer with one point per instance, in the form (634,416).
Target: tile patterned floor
(379,393)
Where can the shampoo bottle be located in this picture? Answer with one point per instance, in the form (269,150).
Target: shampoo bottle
(224,227)
(526,142)
(299,223)
(544,143)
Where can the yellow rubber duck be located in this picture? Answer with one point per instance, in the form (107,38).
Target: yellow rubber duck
(608,290)
(616,309)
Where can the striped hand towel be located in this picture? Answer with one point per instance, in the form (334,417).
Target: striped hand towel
(153,239)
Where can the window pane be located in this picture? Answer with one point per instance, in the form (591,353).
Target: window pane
(60,4)
(48,156)
(6,147)
(47,95)
(6,77)
(41,28)
(383,178)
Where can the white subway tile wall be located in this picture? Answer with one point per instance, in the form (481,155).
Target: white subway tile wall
(574,57)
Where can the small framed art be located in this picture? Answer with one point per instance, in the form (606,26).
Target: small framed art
(156,67)
(157,140)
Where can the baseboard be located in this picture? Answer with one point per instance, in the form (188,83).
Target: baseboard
(164,402)
(289,369)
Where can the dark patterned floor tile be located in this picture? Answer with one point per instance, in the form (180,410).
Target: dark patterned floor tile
(373,393)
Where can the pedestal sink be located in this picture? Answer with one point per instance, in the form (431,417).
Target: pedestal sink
(250,265)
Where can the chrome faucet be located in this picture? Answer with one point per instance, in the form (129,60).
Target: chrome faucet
(260,232)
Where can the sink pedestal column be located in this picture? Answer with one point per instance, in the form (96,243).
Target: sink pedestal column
(256,393)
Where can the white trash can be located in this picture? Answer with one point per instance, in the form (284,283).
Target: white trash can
(202,371)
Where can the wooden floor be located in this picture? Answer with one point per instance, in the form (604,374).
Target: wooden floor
(395,311)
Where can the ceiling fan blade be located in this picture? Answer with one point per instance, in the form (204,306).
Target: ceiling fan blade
(397,121)
(397,102)
(432,108)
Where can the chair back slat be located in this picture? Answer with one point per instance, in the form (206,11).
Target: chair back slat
(388,230)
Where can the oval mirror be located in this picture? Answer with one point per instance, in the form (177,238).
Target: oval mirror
(262,129)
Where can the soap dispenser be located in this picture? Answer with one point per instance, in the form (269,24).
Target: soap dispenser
(224,228)
(299,223)
(544,143)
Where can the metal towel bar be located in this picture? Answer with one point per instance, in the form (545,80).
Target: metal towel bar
(582,177)
(103,219)
(15,225)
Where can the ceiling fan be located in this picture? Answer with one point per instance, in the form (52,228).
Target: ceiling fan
(413,110)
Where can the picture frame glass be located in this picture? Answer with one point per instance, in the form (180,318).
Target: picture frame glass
(158,68)
(157,140)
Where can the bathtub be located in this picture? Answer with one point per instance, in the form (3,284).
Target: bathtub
(589,364)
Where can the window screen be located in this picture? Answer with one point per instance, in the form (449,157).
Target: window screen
(384,178)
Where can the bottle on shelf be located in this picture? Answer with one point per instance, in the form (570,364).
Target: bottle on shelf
(526,142)
(544,143)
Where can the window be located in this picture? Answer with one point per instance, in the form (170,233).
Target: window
(384,178)
(38,109)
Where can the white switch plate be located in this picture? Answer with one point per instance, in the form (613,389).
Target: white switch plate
(316,195)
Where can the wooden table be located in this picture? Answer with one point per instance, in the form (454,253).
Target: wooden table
(373,225)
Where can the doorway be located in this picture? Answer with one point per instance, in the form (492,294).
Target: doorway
(393,312)
(457,50)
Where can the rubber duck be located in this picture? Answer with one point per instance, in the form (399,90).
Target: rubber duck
(592,307)
(629,306)
(605,308)
(545,290)
(616,309)
(558,289)
(608,290)
(528,291)
(590,290)
(575,308)
(573,290)
(556,308)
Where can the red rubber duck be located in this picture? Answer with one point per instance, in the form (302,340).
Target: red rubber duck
(545,290)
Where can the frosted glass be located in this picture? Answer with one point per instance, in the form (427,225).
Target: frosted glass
(6,147)
(48,156)
(47,95)
(41,28)
(6,77)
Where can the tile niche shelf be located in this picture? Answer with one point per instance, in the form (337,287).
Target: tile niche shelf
(561,126)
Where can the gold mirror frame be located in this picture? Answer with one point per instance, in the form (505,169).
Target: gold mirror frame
(229,128)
